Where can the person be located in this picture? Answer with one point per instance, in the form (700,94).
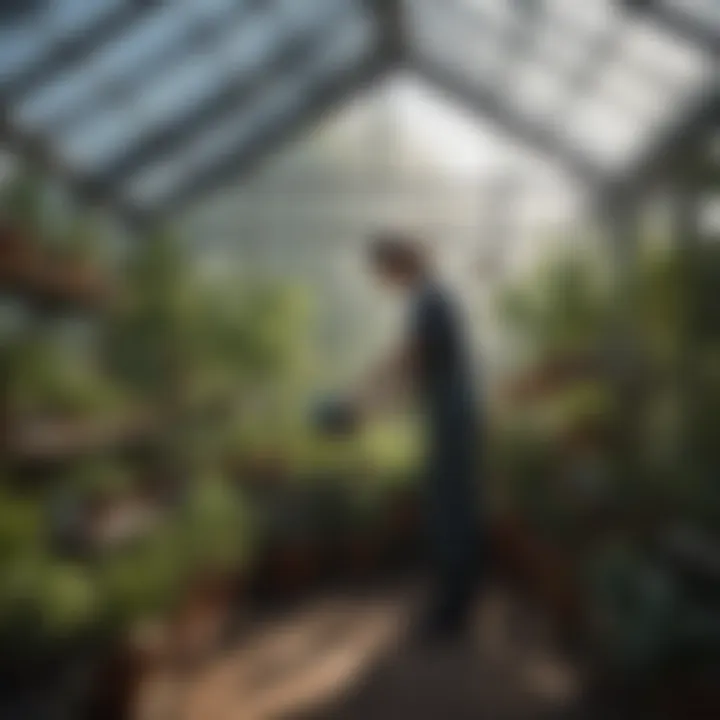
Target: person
(434,355)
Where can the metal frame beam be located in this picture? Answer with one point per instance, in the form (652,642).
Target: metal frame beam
(270,138)
(679,22)
(231,98)
(37,152)
(390,18)
(73,50)
(668,153)
(488,104)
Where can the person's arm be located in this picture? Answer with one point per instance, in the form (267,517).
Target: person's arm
(388,379)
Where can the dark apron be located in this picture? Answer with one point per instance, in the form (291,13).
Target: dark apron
(452,483)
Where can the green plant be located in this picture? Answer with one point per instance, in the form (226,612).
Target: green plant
(44,379)
(564,308)
(78,242)
(44,600)
(634,604)
(143,581)
(21,201)
(21,525)
(99,479)
(215,526)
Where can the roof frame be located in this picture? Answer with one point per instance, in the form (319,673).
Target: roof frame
(668,153)
(73,50)
(393,50)
(327,95)
(564,26)
(160,141)
(679,22)
(196,37)
(37,151)
(703,117)
(487,103)
(519,41)
(483,101)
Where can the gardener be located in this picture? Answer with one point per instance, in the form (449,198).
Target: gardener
(435,358)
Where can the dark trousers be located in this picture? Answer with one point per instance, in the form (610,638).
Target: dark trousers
(454,530)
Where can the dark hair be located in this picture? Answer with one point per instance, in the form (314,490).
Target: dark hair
(397,252)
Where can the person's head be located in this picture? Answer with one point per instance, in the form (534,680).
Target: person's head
(397,258)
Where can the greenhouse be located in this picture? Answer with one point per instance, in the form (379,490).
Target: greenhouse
(198,518)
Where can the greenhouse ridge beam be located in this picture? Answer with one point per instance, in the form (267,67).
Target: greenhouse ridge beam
(488,104)
(73,50)
(232,97)
(271,137)
(391,21)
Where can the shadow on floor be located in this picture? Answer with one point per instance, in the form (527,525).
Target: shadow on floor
(347,658)
(498,672)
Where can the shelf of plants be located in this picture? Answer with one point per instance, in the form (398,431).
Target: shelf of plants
(157,464)
(104,543)
(581,526)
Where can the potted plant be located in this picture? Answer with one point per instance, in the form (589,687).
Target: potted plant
(291,563)
(20,217)
(138,586)
(72,263)
(215,541)
(367,538)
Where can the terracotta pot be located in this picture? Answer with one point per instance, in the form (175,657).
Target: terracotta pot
(510,545)
(119,680)
(294,569)
(19,257)
(364,554)
(201,619)
(68,282)
(555,584)
(404,517)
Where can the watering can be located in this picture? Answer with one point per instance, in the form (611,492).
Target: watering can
(336,417)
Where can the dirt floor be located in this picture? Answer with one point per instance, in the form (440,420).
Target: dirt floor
(347,657)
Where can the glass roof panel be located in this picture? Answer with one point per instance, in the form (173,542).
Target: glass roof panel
(536,91)
(239,54)
(442,33)
(704,11)
(583,15)
(65,17)
(101,138)
(180,55)
(350,42)
(24,43)
(613,139)
(680,61)
(564,51)
(138,47)
(617,81)
(500,12)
